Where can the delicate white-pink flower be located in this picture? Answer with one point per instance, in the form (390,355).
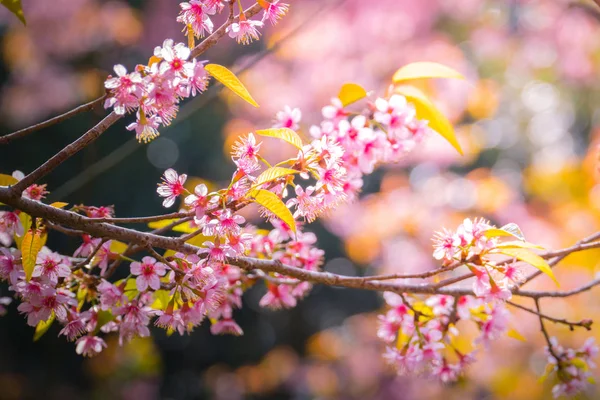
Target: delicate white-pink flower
(89,346)
(148,273)
(171,187)
(245,31)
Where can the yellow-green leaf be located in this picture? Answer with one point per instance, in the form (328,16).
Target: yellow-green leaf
(184,227)
(426,110)
(350,93)
(26,222)
(273,203)
(103,318)
(7,180)
(425,69)
(228,79)
(117,247)
(272,174)
(521,244)
(284,134)
(161,300)
(59,204)
(42,327)
(513,333)
(14,6)
(30,247)
(528,257)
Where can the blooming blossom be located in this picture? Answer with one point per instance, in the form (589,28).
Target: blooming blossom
(171,187)
(148,273)
(244,31)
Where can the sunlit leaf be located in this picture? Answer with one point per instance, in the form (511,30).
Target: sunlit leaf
(42,327)
(59,204)
(26,222)
(528,257)
(14,6)
(520,244)
(271,202)
(426,110)
(184,227)
(272,174)
(228,79)
(513,333)
(117,247)
(284,134)
(350,93)
(7,180)
(425,69)
(30,247)
(161,300)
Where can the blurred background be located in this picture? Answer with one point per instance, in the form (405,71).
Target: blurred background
(527,118)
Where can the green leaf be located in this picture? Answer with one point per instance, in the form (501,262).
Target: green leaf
(228,79)
(423,70)
(285,134)
(528,257)
(30,247)
(14,6)
(273,203)
(426,110)
(350,93)
(272,174)
(7,180)
(42,327)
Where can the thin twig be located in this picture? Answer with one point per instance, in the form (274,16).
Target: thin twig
(141,220)
(55,120)
(92,255)
(587,324)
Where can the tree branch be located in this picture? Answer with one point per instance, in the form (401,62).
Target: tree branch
(55,120)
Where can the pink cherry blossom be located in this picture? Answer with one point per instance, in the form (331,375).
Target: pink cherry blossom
(275,11)
(89,346)
(148,273)
(9,225)
(125,90)
(288,117)
(50,265)
(244,31)
(171,187)
(196,14)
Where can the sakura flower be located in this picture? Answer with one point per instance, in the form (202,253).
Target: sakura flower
(274,11)
(9,225)
(171,187)
(196,14)
(89,346)
(217,252)
(10,265)
(197,76)
(174,56)
(35,192)
(171,319)
(125,90)
(199,200)
(226,327)
(148,273)
(50,266)
(246,148)
(277,297)
(244,31)
(75,327)
(334,111)
(146,128)
(288,117)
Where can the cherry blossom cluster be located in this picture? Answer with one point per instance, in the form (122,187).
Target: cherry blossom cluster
(471,244)
(154,91)
(421,334)
(572,367)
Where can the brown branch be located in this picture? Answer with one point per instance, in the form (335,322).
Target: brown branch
(145,239)
(65,153)
(153,218)
(545,333)
(587,324)
(55,120)
(92,254)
